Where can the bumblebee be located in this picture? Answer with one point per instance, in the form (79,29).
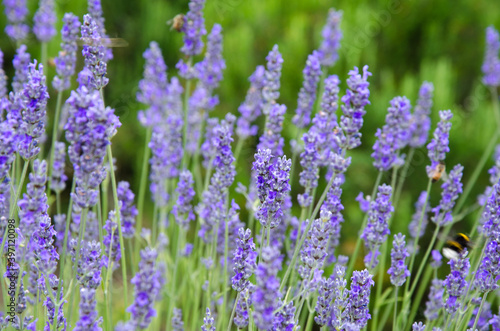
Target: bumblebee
(456,246)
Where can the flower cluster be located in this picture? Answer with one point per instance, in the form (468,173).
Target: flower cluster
(438,147)
(452,188)
(66,60)
(491,64)
(455,282)
(359,296)
(398,270)
(307,94)
(44,21)
(332,35)
(420,123)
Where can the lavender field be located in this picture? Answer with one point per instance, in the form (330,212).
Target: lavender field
(227,165)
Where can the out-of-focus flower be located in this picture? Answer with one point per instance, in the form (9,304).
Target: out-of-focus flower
(491,64)
(271,137)
(94,54)
(421,206)
(58,178)
(16,11)
(251,108)
(183,210)
(332,34)
(44,21)
(452,188)
(420,122)
(128,212)
(66,60)
(89,320)
(435,304)
(398,270)
(270,91)
(438,147)
(307,93)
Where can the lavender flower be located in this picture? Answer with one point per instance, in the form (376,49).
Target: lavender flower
(421,206)
(325,121)
(194,28)
(212,207)
(325,297)
(491,64)
(435,303)
(307,94)
(232,221)
(88,269)
(436,258)
(147,286)
(452,188)
(418,326)
(398,270)
(489,271)
(438,147)
(177,323)
(89,129)
(337,314)
(251,108)
(314,250)
(95,11)
(270,91)
(284,319)
(355,99)
(208,322)
(66,60)
(393,136)
(3,83)
(7,156)
(494,177)
(241,314)
(455,282)
(377,229)
(331,38)
(20,62)
(359,296)
(182,210)
(58,178)
(46,256)
(490,220)
(153,86)
(33,101)
(310,174)
(272,185)
(60,320)
(333,204)
(44,21)
(89,319)
(265,297)
(271,137)
(209,71)
(484,320)
(94,54)
(128,212)
(16,11)
(244,260)
(420,123)
(111,242)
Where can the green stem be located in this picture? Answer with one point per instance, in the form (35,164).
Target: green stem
(424,260)
(118,216)
(142,191)
(19,187)
(185,124)
(402,179)
(478,314)
(354,255)
(496,107)
(233,312)
(395,308)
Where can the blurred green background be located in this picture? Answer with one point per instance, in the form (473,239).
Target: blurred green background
(403,42)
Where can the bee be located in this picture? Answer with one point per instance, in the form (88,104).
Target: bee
(456,246)
(176,23)
(438,172)
(106,42)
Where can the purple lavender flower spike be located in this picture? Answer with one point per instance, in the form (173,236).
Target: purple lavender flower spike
(438,147)
(147,286)
(233,223)
(209,71)
(16,11)
(20,62)
(353,109)
(325,121)
(60,320)
(325,297)
(455,282)
(242,307)
(94,54)
(3,84)
(177,323)
(66,60)
(251,108)
(494,178)
(272,185)
(333,204)
(270,91)
(33,101)
(434,304)
(332,35)
(89,319)
(153,86)
(377,229)
(314,250)
(44,21)
(7,156)
(452,188)
(46,256)
(486,279)
(393,136)
(208,322)
(418,326)
(266,294)
(484,320)
(415,219)
(491,64)
(436,258)
(128,212)
(359,296)
(111,242)
(208,148)
(490,219)
(244,260)
(95,11)
(310,174)
(284,320)
(420,122)
(183,210)
(88,269)
(271,137)
(58,178)
(398,270)
(307,94)
(338,317)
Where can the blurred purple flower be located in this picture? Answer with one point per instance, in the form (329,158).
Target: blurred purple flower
(491,64)
(332,35)
(307,93)
(398,270)
(89,317)
(94,54)
(420,122)
(270,91)
(435,304)
(16,11)
(66,60)
(128,212)
(451,189)
(438,147)
(251,108)
(44,21)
